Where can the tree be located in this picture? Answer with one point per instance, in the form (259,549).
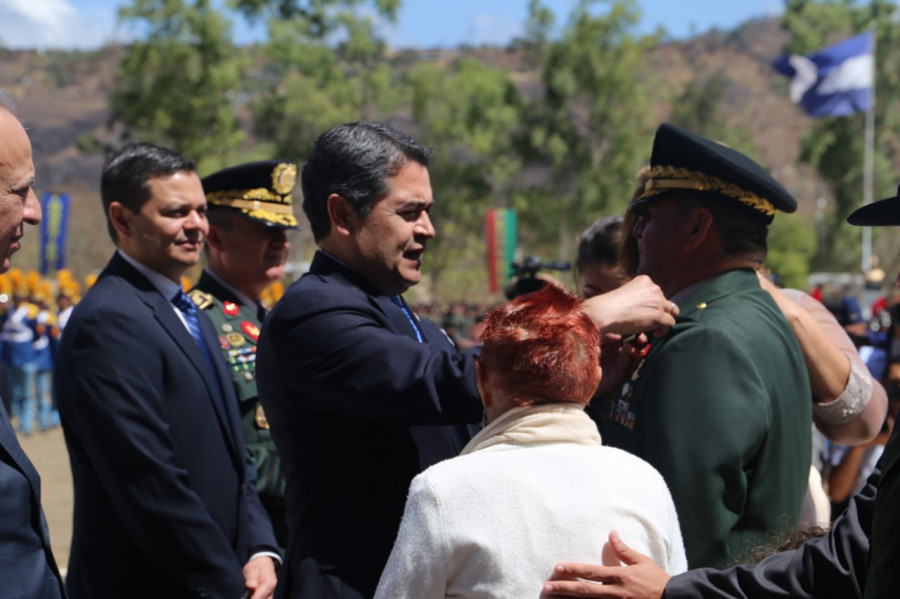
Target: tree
(590,125)
(176,86)
(325,65)
(468,112)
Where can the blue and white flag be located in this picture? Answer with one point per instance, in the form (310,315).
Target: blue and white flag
(835,81)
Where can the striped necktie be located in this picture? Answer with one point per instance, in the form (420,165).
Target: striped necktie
(189,311)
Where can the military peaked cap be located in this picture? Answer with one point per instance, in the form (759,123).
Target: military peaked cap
(881,213)
(682,160)
(261,191)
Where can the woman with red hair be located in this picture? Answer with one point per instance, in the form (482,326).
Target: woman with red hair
(535,486)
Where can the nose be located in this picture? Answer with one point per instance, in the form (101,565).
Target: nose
(424,228)
(196,220)
(32,212)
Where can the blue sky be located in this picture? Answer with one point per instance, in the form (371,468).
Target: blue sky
(422,23)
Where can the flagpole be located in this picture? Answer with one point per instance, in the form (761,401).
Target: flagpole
(868,161)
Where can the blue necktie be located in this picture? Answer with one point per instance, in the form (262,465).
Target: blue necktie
(397,300)
(189,310)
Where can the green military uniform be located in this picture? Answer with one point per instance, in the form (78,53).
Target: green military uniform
(238,327)
(259,192)
(721,408)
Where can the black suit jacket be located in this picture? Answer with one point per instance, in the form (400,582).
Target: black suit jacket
(27,566)
(165,499)
(840,564)
(357,407)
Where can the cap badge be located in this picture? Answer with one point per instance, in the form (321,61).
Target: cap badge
(284,178)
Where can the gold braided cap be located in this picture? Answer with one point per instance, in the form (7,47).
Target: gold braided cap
(664,178)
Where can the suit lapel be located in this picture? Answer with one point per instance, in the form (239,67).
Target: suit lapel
(164,313)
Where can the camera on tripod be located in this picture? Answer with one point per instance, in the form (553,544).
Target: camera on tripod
(525,275)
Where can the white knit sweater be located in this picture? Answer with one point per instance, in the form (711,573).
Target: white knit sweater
(493,523)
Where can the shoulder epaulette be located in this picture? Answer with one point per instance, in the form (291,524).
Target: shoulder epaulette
(203,300)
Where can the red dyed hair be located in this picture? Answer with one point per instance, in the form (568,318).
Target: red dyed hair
(541,348)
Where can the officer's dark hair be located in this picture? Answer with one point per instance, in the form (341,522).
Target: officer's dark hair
(742,231)
(355,161)
(600,243)
(127,171)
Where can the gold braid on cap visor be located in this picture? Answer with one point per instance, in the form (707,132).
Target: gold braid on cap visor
(665,178)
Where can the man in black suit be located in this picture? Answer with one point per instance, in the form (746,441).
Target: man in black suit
(165,498)
(361,395)
(27,566)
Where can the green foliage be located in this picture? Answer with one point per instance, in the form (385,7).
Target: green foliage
(469,113)
(176,86)
(834,146)
(311,86)
(590,128)
(792,243)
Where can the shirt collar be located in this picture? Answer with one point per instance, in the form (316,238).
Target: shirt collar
(166,286)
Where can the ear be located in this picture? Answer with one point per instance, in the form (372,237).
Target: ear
(215,239)
(698,228)
(120,217)
(340,213)
(486,398)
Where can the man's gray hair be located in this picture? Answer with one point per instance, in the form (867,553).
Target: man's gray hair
(8,104)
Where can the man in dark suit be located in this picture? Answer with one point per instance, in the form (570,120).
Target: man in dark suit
(360,393)
(165,497)
(250,214)
(27,566)
(857,558)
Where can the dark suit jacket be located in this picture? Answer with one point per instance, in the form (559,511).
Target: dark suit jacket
(356,405)
(165,499)
(27,567)
(835,565)
(721,408)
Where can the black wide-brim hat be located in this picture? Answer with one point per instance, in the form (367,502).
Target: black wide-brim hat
(883,213)
(260,191)
(682,160)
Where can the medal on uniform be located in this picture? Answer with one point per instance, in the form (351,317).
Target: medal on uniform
(251,329)
(227,327)
(230,308)
(235,339)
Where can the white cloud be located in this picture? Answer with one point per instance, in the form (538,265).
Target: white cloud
(52,24)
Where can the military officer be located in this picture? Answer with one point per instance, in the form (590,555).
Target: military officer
(714,405)
(250,213)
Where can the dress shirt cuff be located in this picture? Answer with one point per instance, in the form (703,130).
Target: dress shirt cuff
(852,401)
(272,554)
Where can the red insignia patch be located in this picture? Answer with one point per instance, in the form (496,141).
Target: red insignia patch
(230,308)
(251,329)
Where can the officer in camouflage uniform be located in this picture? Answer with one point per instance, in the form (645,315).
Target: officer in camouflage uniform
(249,215)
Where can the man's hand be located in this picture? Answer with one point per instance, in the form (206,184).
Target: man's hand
(640,578)
(638,306)
(260,577)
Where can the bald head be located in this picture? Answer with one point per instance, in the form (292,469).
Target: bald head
(18,202)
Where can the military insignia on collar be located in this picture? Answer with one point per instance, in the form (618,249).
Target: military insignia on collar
(284,178)
(203,300)
(251,329)
(230,308)
(260,418)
